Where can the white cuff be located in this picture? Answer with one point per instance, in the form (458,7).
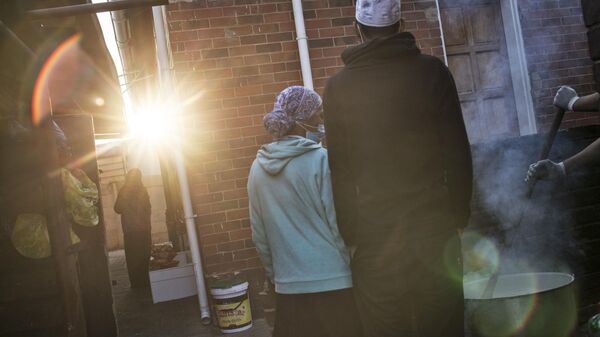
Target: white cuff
(562,168)
(572,102)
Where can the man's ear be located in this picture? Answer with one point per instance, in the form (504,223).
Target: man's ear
(402,25)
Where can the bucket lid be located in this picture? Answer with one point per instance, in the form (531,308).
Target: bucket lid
(234,291)
(226,281)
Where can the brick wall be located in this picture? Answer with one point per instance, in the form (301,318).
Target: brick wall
(231,59)
(557,54)
(591,17)
(233,56)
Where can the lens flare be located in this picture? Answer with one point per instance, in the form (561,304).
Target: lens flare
(509,310)
(452,262)
(40,107)
(152,125)
(481,256)
(99,101)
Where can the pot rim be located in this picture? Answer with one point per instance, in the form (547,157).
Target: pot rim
(570,282)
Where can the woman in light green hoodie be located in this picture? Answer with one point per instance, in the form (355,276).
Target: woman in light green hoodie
(294,225)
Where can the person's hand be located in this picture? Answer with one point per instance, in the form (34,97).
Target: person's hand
(565,98)
(545,170)
(351,251)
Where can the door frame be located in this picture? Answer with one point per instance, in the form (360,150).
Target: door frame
(517,62)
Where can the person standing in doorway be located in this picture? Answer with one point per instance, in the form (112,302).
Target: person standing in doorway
(133,203)
(294,225)
(402,177)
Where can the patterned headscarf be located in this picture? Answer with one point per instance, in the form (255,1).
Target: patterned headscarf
(293,104)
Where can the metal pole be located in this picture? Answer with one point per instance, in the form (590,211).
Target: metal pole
(302,44)
(90,8)
(190,225)
(166,83)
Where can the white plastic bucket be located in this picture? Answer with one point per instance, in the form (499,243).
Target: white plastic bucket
(232,307)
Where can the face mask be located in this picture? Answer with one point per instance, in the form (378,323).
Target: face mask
(316,136)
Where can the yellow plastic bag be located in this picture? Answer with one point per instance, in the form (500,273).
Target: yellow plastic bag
(30,236)
(81,196)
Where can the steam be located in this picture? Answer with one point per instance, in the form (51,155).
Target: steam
(542,241)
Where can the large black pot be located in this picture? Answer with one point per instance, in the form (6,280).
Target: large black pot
(529,304)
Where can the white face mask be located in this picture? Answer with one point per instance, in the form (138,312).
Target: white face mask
(316,136)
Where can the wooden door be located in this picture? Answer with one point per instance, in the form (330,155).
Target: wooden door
(477,58)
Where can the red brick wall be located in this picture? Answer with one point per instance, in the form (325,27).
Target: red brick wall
(231,59)
(557,54)
(233,56)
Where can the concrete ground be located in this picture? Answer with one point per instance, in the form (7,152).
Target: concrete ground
(138,316)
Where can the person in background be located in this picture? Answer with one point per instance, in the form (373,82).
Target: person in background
(133,203)
(402,177)
(567,99)
(294,225)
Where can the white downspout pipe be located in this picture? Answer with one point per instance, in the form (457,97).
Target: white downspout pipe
(163,56)
(439,17)
(166,84)
(122,32)
(302,44)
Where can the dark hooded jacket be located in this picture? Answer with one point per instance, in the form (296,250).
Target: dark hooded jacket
(133,203)
(398,148)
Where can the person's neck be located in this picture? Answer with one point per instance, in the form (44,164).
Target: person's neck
(297,131)
(380,37)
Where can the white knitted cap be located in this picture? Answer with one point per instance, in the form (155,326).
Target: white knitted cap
(378,13)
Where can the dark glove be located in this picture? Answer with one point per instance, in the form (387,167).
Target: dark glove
(546,170)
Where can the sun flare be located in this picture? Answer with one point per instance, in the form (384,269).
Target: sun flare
(153,124)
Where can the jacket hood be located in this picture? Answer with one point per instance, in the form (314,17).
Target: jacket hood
(381,49)
(275,156)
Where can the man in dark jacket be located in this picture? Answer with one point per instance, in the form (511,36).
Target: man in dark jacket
(402,178)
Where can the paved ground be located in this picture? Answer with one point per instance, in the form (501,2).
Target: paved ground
(138,316)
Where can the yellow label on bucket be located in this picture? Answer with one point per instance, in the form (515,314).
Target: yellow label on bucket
(234,315)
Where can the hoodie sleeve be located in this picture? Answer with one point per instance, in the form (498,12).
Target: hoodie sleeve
(259,233)
(342,176)
(327,196)
(328,204)
(456,149)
